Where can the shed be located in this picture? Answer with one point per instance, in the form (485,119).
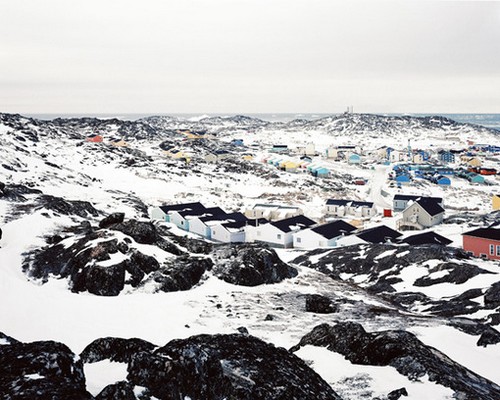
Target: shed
(354,159)
(95,139)
(321,172)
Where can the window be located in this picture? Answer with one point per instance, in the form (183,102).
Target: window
(498,249)
(492,249)
(299,240)
(278,236)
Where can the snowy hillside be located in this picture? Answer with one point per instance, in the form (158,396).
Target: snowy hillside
(131,308)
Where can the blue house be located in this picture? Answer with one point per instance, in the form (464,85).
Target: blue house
(237,142)
(320,172)
(446,156)
(403,178)
(441,180)
(354,159)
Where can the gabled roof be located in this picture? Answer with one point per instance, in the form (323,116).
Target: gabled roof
(408,197)
(182,207)
(361,204)
(231,217)
(205,212)
(337,202)
(287,225)
(378,234)
(334,229)
(485,233)
(426,238)
(431,207)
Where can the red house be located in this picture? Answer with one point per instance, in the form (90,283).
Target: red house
(483,242)
(95,138)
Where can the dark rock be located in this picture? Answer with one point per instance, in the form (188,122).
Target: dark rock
(41,370)
(182,274)
(117,391)
(403,351)
(8,339)
(495,319)
(105,281)
(458,274)
(396,394)
(111,219)
(114,349)
(492,296)
(269,317)
(242,330)
(317,303)
(67,207)
(226,366)
(489,336)
(250,265)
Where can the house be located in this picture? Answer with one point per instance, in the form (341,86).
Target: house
(280,233)
(279,148)
(474,178)
(440,180)
(290,166)
(473,162)
(378,234)
(400,201)
(402,178)
(163,212)
(446,156)
(118,142)
(308,150)
(421,214)
(417,158)
(95,139)
(483,242)
(331,152)
(320,172)
(183,218)
(252,229)
(354,159)
(201,225)
(342,207)
(322,236)
(272,212)
(217,156)
(237,142)
(426,238)
(495,202)
(231,229)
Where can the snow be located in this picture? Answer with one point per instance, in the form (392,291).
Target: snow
(100,374)
(34,376)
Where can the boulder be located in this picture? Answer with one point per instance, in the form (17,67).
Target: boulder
(492,296)
(114,349)
(489,336)
(111,219)
(117,391)
(317,303)
(226,366)
(41,370)
(250,264)
(105,281)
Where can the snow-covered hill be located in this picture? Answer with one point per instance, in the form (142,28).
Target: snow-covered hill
(80,261)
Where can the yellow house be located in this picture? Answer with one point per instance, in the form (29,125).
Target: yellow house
(118,142)
(474,162)
(496,201)
(247,157)
(290,166)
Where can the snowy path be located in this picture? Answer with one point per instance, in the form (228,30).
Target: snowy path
(377,181)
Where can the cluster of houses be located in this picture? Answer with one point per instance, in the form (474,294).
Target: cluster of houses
(303,164)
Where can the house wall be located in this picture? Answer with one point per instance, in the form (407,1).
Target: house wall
(219,233)
(179,221)
(309,239)
(199,227)
(338,211)
(273,236)
(157,213)
(496,202)
(480,246)
(422,217)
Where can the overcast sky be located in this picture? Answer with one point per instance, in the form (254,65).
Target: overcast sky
(249,56)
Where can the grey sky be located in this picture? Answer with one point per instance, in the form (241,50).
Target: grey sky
(249,56)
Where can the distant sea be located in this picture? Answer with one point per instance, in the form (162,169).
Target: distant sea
(488,120)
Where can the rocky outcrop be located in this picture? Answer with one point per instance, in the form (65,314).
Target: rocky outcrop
(111,219)
(117,391)
(403,351)
(250,265)
(226,366)
(114,349)
(40,370)
(317,303)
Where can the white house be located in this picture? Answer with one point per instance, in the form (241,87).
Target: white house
(201,225)
(322,236)
(421,214)
(400,201)
(163,212)
(272,212)
(233,232)
(182,219)
(280,233)
(343,207)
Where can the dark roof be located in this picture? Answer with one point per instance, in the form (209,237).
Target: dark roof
(430,206)
(182,207)
(221,152)
(361,204)
(337,202)
(426,238)
(257,222)
(379,234)
(285,224)
(486,233)
(205,212)
(334,229)
(408,197)
(231,217)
